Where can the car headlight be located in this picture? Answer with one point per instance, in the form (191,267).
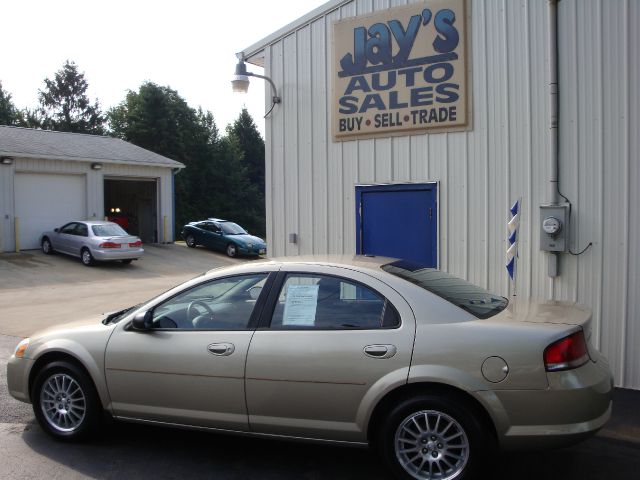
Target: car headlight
(21,348)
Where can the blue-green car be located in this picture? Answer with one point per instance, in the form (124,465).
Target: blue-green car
(223,235)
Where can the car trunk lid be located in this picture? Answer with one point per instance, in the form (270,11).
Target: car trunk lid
(553,312)
(124,241)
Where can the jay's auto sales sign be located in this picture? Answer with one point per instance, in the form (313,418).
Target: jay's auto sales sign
(400,71)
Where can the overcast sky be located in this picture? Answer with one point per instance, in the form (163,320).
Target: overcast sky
(189,45)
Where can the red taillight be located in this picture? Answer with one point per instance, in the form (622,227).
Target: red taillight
(109,245)
(567,353)
(136,244)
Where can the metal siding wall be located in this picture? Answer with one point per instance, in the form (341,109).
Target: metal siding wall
(305,151)
(503,156)
(632,359)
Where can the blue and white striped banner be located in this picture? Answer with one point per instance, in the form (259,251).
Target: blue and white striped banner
(512,239)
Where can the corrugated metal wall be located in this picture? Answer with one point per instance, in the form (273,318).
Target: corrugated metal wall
(310,179)
(95,190)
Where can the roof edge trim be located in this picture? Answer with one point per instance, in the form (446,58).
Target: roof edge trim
(89,159)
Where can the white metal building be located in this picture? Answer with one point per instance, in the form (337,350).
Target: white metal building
(50,178)
(498,156)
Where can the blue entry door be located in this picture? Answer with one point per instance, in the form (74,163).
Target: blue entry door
(398,221)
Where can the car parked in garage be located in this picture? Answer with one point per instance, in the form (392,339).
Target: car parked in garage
(432,371)
(224,236)
(93,241)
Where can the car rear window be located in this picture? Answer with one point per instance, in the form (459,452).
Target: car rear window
(475,300)
(108,230)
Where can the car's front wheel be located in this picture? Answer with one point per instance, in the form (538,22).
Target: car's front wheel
(191,241)
(47,249)
(232,250)
(65,402)
(432,437)
(86,257)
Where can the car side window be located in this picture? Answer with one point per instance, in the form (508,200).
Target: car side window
(222,304)
(323,302)
(69,228)
(81,230)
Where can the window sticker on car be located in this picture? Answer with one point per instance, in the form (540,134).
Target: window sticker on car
(300,305)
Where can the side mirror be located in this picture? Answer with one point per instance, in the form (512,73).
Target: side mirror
(56,230)
(142,320)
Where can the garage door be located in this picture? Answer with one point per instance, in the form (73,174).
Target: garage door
(45,201)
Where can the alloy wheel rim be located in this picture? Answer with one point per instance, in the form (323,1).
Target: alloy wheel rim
(86,257)
(231,250)
(45,246)
(431,445)
(63,402)
(190,241)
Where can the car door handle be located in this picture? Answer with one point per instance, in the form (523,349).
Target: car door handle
(221,349)
(380,351)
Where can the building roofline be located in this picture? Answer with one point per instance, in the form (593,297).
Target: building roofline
(90,159)
(254,54)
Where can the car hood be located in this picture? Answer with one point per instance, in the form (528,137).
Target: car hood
(71,328)
(247,239)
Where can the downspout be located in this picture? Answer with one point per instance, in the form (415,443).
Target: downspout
(552,188)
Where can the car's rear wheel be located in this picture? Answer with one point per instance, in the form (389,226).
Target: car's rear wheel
(432,437)
(86,257)
(232,250)
(65,402)
(47,249)
(191,241)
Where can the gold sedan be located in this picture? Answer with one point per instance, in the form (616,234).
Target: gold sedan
(434,372)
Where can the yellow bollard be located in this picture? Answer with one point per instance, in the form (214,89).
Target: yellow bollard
(17,233)
(164,238)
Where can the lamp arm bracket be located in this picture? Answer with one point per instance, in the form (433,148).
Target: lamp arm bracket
(276,98)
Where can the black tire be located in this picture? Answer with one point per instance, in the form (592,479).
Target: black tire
(85,257)
(410,452)
(47,248)
(232,250)
(127,261)
(191,241)
(78,414)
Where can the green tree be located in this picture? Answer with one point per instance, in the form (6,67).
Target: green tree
(246,136)
(245,131)
(9,114)
(65,106)
(216,181)
(158,119)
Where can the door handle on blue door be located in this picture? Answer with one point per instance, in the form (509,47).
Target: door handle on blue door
(221,349)
(380,351)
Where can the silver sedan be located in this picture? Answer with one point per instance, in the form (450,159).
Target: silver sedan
(93,240)
(432,371)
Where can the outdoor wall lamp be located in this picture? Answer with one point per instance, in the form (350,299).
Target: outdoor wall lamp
(96,166)
(6,160)
(240,82)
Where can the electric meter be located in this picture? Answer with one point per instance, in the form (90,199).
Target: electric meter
(551,225)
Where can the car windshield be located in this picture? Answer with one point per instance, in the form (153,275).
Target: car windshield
(108,230)
(470,297)
(230,228)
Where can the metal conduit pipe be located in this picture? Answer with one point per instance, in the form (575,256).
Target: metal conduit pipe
(552,72)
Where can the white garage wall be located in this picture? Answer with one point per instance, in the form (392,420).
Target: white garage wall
(311,179)
(94,190)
